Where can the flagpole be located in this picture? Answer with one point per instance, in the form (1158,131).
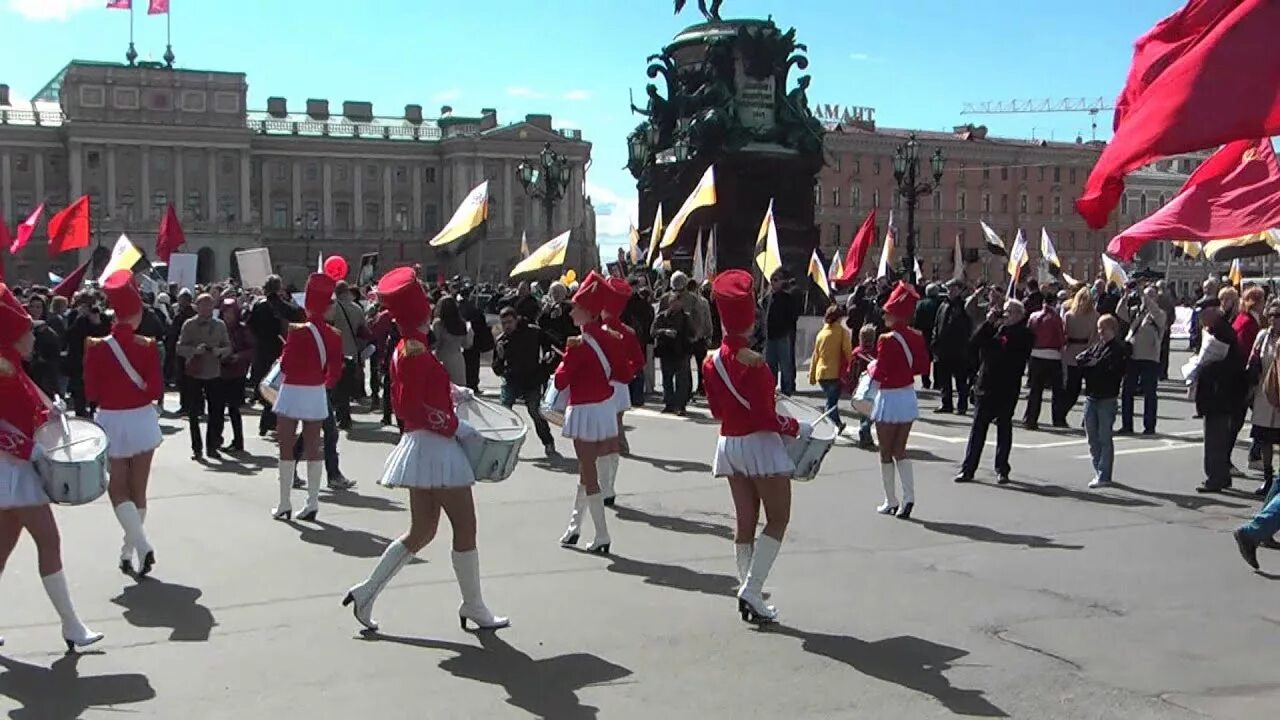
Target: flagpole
(132,55)
(168,36)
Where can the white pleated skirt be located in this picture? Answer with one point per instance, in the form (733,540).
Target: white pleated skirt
(423,459)
(757,455)
(302,402)
(591,422)
(20,486)
(898,405)
(621,396)
(130,432)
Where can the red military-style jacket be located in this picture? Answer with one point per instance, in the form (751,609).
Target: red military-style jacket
(580,369)
(626,346)
(22,409)
(891,368)
(421,393)
(754,382)
(106,382)
(300,361)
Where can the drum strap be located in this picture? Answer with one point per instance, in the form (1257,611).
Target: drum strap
(604,362)
(724,375)
(324,355)
(911,359)
(124,362)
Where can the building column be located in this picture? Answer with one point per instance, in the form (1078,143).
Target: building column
(415,213)
(6,187)
(37,157)
(296,200)
(213,187)
(75,166)
(327,199)
(509,209)
(111,181)
(267,214)
(177,200)
(387,215)
(144,196)
(246,179)
(357,195)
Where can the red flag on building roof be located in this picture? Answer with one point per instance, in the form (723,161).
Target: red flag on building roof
(158,7)
(170,237)
(71,283)
(119,4)
(69,229)
(862,242)
(25,229)
(1164,43)
(1221,89)
(1234,193)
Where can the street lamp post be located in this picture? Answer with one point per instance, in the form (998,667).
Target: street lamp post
(545,179)
(906,164)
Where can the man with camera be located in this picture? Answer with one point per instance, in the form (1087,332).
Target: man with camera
(1002,346)
(1146,322)
(520,358)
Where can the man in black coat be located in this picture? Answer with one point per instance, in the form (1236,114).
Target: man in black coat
(1220,389)
(518,360)
(1002,345)
(88,321)
(949,338)
(269,319)
(482,336)
(925,316)
(639,315)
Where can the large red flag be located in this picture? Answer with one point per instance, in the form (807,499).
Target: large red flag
(158,7)
(1220,90)
(1234,193)
(1164,43)
(119,4)
(25,229)
(69,229)
(862,242)
(71,283)
(170,237)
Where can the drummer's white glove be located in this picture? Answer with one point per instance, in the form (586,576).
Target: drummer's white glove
(37,452)
(466,431)
(806,429)
(461,394)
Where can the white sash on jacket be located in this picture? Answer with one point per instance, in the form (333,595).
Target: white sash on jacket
(724,375)
(124,362)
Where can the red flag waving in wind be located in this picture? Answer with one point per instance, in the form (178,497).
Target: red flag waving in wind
(119,4)
(25,229)
(1234,193)
(1221,89)
(158,7)
(862,242)
(69,229)
(71,283)
(5,237)
(170,237)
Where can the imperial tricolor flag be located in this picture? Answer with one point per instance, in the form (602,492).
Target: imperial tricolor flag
(994,243)
(473,211)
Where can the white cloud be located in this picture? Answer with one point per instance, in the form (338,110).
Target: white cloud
(859,56)
(615,214)
(577,95)
(447,95)
(52,9)
(524,92)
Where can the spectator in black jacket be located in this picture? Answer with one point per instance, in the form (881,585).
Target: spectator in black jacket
(482,341)
(781,313)
(554,318)
(526,304)
(1220,388)
(926,314)
(1102,366)
(638,315)
(1002,346)
(89,321)
(518,360)
(673,337)
(268,320)
(42,367)
(949,338)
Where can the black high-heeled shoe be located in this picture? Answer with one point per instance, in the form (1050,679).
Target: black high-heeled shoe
(147,563)
(904,513)
(308,515)
(570,540)
(284,515)
(599,549)
(751,615)
(126,566)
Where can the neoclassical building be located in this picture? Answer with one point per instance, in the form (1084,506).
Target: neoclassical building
(300,180)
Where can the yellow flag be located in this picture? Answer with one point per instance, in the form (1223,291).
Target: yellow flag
(1018,256)
(1113,271)
(473,211)
(1190,248)
(123,257)
(1236,274)
(1214,247)
(655,234)
(524,245)
(816,272)
(704,195)
(633,243)
(770,257)
(549,255)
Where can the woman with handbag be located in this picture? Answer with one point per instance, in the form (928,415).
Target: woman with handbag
(451,335)
(1266,401)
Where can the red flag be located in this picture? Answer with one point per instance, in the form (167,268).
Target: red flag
(119,4)
(25,228)
(862,242)
(1206,97)
(158,7)
(1234,193)
(69,229)
(170,237)
(71,283)
(1164,43)
(5,237)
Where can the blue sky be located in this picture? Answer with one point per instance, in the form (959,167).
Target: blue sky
(915,61)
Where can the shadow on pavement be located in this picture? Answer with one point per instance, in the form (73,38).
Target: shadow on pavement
(675,576)
(348,499)
(925,456)
(674,524)
(544,688)
(372,434)
(152,603)
(907,661)
(1045,489)
(352,543)
(671,465)
(1186,502)
(978,533)
(562,464)
(58,692)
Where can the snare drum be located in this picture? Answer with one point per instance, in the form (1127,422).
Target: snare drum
(864,397)
(494,454)
(73,466)
(807,453)
(271,383)
(554,403)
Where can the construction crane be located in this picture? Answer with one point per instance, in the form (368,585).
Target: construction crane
(1093,106)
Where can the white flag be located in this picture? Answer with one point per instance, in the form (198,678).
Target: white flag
(919,272)
(699,269)
(710,262)
(817,275)
(886,254)
(1114,272)
(958,272)
(1017,259)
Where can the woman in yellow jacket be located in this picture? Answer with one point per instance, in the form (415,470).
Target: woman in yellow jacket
(832,351)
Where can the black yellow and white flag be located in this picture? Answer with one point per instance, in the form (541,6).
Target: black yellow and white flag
(473,211)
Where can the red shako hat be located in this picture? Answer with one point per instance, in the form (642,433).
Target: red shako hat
(122,294)
(594,294)
(902,301)
(403,296)
(319,294)
(735,300)
(622,292)
(14,320)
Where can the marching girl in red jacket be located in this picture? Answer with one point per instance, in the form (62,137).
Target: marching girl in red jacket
(122,377)
(591,417)
(429,460)
(750,452)
(311,364)
(627,346)
(900,356)
(23,502)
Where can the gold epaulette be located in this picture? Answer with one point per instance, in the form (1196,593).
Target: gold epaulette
(144,341)
(296,326)
(6,368)
(574,341)
(749,357)
(94,340)
(411,348)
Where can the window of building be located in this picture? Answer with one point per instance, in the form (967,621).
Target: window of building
(228,163)
(371,171)
(875,166)
(340,172)
(962,169)
(429,175)
(431,217)
(835,165)
(855,197)
(227,207)
(312,171)
(986,171)
(1004,202)
(342,215)
(402,217)
(937,237)
(282,171)
(402,174)
(280,215)
(961,201)
(195,208)
(22,162)
(986,202)
(817,195)
(160,200)
(835,235)
(93,159)
(1071,175)
(897,199)
(1071,239)
(1057,206)
(857,166)
(835,197)
(1022,202)
(875,198)
(1040,170)
(1142,204)
(1039,204)
(311,213)
(1162,202)
(161,160)
(1124,204)
(1024,172)
(1057,174)
(1004,173)
(372,215)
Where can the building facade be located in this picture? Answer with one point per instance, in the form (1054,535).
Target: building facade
(299,181)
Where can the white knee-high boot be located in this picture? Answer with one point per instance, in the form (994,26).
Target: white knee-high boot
(574,531)
(362,596)
(906,473)
(315,471)
(595,505)
(607,473)
(134,536)
(890,505)
(742,552)
(284,508)
(751,596)
(74,632)
(466,566)
(127,549)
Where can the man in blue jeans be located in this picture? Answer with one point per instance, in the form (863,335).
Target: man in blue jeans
(1260,530)
(1102,366)
(782,312)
